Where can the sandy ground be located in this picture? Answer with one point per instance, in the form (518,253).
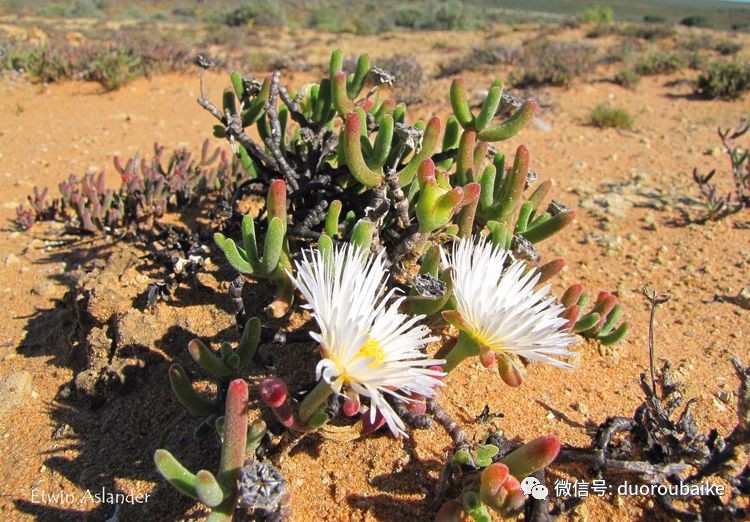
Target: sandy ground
(627,185)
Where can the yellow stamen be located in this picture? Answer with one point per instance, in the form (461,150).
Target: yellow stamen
(484,341)
(372,350)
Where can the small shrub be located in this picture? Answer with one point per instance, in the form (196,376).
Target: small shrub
(407,17)
(331,20)
(480,58)
(695,21)
(628,78)
(454,15)
(659,62)
(263,60)
(604,116)
(184,12)
(494,55)
(727,48)
(696,60)
(697,43)
(440,16)
(727,80)
(596,15)
(114,68)
(409,77)
(654,19)
(48,63)
(651,32)
(264,13)
(600,30)
(553,63)
(622,51)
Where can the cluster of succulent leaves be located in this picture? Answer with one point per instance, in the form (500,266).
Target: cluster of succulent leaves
(601,322)
(148,189)
(717,206)
(491,475)
(226,415)
(340,162)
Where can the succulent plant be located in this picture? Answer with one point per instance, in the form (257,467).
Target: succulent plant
(220,365)
(148,189)
(218,492)
(601,322)
(257,486)
(492,481)
(274,262)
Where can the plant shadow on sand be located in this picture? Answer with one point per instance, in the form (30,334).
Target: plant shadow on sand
(106,439)
(418,477)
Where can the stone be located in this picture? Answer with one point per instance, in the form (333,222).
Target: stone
(11,259)
(44,289)
(15,389)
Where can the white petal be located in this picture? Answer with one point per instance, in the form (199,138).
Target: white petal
(502,307)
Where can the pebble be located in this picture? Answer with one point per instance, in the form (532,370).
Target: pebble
(578,165)
(63,431)
(44,289)
(11,259)
(581,408)
(650,221)
(541,125)
(14,390)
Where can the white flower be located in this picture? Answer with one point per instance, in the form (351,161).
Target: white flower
(366,344)
(500,309)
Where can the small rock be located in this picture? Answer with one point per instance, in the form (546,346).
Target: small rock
(581,408)
(14,390)
(578,165)
(541,124)
(725,396)
(44,289)
(650,221)
(11,259)
(63,431)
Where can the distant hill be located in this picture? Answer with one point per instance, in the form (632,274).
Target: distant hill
(715,14)
(719,14)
